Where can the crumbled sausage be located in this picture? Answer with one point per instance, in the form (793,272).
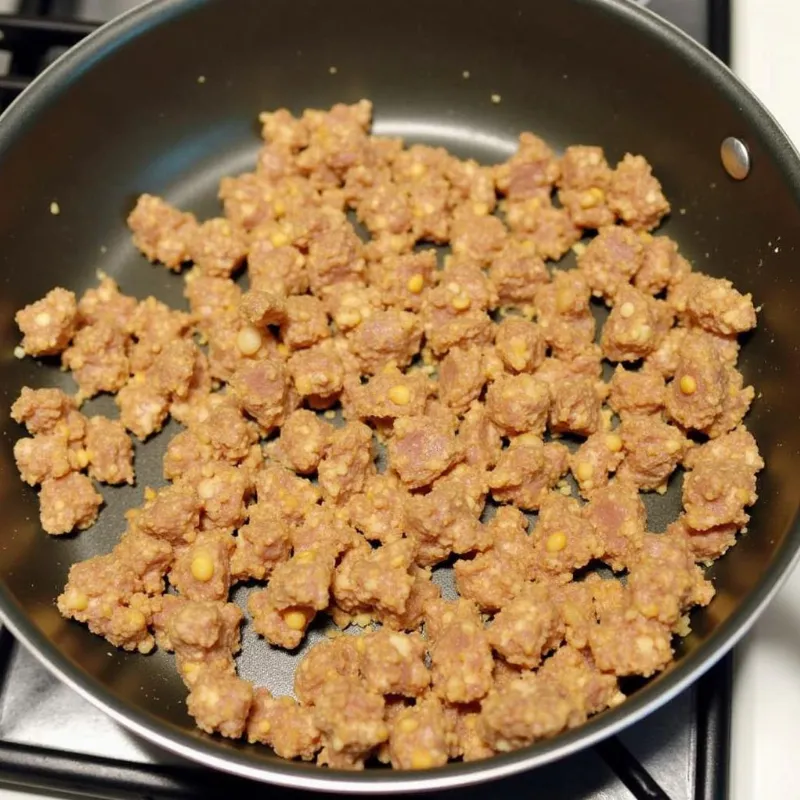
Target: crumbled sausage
(261,308)
(520,344)
(217,247)
(625,642)
(526,470)
(212,300)
(562,540)
(423,591)
(421,449)
(204,635)
(339,657)
(461,661)
(493,578)
(262,543)
(664,581)
(284,628)
(517,271)
(350,717)
(530,172)
(736,402)
(589,690)
(49,324)
(43,410)
(695,396)
(575,407)
(636,391)
(143,409)
(564,315)
(611,260)
(109,451)
(325,528)
(303,580)
(378,512)
(394,663)
(592,462)
(389,336)
(276,268)
(721,481)
(519,404)
(477,239)
(67,503)
(617,514)
(284,725)
(377,578)
(172,513)
(582,186)
(303,441)
(160,231)
(261,387)
(248,200)
(106,304)
(523,711)
(550,229)
(636,325)
(713,304)
(347,463)
(317,374)
(98,359)
(334,257)
(635,194)
(528,627)
(44,456)
(390,394)
(479,438)
(220,703)
(653,449)
(154,326)
(111,593)
(401,280)
(418,738)
(662,265)
(304,322)
(287,496)
(443,388)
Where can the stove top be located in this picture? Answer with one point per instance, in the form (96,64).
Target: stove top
(53,740)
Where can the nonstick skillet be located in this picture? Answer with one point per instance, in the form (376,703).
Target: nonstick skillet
(164,100)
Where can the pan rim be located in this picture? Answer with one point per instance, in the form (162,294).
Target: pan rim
(210,752)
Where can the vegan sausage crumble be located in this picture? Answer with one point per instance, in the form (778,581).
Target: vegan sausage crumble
(360,409)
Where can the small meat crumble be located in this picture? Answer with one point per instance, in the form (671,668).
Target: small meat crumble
(348,418)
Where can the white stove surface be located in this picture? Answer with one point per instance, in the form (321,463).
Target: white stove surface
(766,711)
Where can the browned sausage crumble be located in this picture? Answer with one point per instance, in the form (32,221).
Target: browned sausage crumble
(480,382)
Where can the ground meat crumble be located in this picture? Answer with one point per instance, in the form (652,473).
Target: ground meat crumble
(455,385)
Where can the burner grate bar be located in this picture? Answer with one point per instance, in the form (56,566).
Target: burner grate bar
(24,30)
(31,44)
(637,779)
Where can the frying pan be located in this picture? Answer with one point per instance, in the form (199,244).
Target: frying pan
(164,100)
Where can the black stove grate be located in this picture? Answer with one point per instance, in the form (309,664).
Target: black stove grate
(29,42)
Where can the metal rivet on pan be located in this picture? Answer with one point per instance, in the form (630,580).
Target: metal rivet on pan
(735,158)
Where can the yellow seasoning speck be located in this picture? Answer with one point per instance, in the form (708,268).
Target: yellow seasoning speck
(201,78)
(496,98)
(55,208)
(332,70)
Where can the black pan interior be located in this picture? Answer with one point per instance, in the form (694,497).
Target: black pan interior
(166,102)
